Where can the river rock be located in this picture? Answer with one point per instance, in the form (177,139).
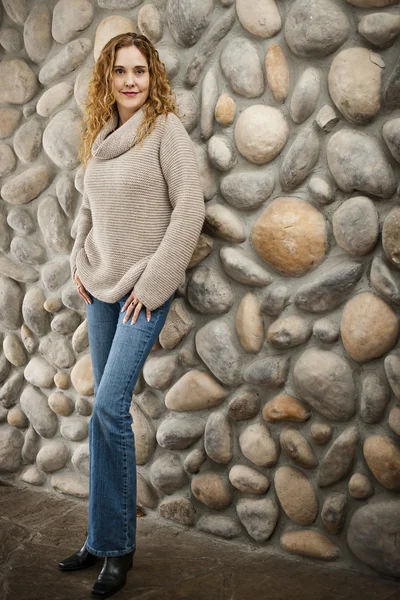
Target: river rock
(14,350)
(53,224)
(187,20)
(171,59)
(80,459)
(315,28)
(326,331)
(242,268)
(7,160)
(248,480)
(246,190)
(356,225)
(290,331)
(296,495)
(21,221)
(382,454)
(54,98)
(82,376)
(179,431)
(19,82)
(212,489)
(207,46)
(178,324)
(17,10)
(300,159)
(195,390)
(225,223)
(39,372)
(17,418)
(219,525)
(187,107)
(221,153)
(360,487)
(285,408)
(249,324)
(37,32)
(27,251)
(259,516)
(194,460)
(180,510)
(26,186)
(11,40)
(144,434)
(391,236)
(28,140)
(244,404)
(57,349)
(208,292)
(333,513)
(35,406)
(358,163)
(381,29)
(392,90)
(207,175)
(305,95)
(277,69)
(325,380)
(371,534)
(209,95)
(215,346)
(260,133)
(36,317)
(118,4)
(52,457)
(310,543)
(218,438)
(17,271)
(10,390)
(394,419)
(329,288)
(9,119)
(65,321)
(74,430)
(150,23)
(391,135)
(158,371)
(10,303)
(70,17)
(321,433)
(33,475)
(294,444)
(241,66)
(275,300)
(322,189)
(368,326)
(354,82)
(61,139)
(61,404)
(291,236)
(326,118)
(258,446)
(338,461)
(372,3)
(11,442)
(270,372)
(109,28)
(260,18)
(225,110)
(374,397)
(71,56)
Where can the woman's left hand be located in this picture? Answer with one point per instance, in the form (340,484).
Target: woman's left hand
(133,303)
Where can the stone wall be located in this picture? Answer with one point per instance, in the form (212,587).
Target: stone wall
(268,411)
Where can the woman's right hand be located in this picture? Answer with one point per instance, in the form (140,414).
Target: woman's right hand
(81,289)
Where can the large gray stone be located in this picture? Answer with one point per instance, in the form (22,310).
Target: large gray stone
(179,431)
(259,17)
(11,442)
(381,29)
(218,438)
(391,135)
(54,225)
(11,296)
(26,186)
(208,292)
(35,406)
(325,380)
(315,28)
(246,190)
(37,32)
(305,95)
(372,535)
(384,281)
(19,83)
(300,159)
(329,288)
(356,225)
(167,474)
(339,459)
(259,516)
(28,140)
(270,372)
(70,17)
(243,269)
(187,19)
(241,66)
(358,163)
(17,10)
(61,139)
(71,56)
(215,346)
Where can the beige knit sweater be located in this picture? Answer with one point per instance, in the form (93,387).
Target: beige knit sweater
(141,214)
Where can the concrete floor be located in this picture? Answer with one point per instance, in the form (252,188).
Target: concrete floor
(37,529)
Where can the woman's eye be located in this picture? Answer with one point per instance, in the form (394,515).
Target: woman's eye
(140,71)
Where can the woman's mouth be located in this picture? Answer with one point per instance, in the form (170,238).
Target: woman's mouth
(130,93)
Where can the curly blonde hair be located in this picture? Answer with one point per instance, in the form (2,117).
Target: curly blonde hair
(101,102)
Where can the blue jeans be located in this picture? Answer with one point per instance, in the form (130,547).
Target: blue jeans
(118,351)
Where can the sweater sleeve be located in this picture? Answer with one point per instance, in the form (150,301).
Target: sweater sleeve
(84,226)
(166,268)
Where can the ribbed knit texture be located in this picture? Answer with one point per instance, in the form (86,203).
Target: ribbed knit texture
(141,214)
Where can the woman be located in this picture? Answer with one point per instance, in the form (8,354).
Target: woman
(139,223)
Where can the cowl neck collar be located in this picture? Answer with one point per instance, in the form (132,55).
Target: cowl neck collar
(112,142)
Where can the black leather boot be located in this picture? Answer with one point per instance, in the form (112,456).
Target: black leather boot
(79,560)
(112,576)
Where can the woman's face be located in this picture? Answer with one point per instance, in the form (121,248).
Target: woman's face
(130,80)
